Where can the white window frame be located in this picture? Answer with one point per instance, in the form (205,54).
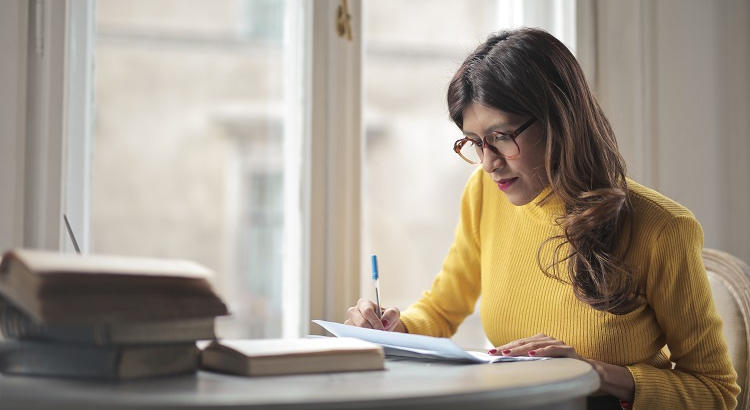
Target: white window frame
(335,160)
(56,172)
(53,107)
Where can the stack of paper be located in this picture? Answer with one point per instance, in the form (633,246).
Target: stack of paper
(417,346)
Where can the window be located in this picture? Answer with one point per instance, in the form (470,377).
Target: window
(224,128)
(188,144)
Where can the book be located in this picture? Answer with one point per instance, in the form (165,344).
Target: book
(100,362)
(417,346)
(266,357)
(14,324)
(52,287)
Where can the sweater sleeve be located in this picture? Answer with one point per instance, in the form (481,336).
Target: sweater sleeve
(677,289)
(455,289)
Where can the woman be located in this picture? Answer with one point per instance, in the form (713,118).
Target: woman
(572,259)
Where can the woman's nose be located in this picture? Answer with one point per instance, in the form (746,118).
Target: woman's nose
(491,161)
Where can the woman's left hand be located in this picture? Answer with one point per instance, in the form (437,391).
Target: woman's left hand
(539,345)
(615,380)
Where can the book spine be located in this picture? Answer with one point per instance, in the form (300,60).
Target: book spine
(97,362)
(14,324)
(54,359)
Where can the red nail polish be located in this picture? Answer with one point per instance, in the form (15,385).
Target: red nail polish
(492,351)
(532,353)
(625,404)
(506,351)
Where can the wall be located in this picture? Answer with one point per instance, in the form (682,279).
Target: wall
(672,77)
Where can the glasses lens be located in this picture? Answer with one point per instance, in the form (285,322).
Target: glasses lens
(503,144)
(471,152)
(506,146)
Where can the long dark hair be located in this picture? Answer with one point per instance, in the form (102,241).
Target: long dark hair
(530,72)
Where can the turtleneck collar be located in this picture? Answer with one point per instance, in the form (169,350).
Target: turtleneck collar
(547,211)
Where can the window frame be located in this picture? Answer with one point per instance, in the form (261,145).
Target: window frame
(57,172)
(52,103)
(334,160)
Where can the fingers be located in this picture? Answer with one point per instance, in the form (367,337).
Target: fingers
(525,349)
(537,345)
(367,310)
(355,318)
(391,317)
(364,315)
(521,342)
(556,351)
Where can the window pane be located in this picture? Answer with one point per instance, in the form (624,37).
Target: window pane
(188,144)
(408,64)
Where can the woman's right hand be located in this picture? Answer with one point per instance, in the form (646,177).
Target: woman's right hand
(364,315)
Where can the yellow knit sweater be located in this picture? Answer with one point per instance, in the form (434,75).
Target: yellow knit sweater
(495,254)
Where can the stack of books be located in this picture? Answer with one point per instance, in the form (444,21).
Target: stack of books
(104,317)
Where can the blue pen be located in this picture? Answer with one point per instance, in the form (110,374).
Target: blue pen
(375,280)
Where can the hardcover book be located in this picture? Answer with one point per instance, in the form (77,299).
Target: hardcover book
(14,324)
(100,362)
(265,357)
(52,287)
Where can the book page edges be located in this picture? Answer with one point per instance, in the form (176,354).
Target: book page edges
(292,347)
(51,263)
(292,364)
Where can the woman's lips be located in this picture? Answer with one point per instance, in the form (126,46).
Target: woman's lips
(504,184)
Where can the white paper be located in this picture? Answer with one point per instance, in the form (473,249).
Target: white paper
(419,346)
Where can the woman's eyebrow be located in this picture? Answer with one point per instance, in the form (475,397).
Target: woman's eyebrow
(501,126)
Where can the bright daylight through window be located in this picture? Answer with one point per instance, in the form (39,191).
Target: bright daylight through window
(188,146)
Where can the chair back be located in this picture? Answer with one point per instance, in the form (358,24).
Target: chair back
(729,278)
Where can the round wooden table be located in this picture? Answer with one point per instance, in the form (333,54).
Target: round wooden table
(405,384)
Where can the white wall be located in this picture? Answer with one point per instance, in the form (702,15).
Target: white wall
(672,76)
(12,120)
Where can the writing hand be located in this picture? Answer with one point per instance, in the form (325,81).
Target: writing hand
(363,315)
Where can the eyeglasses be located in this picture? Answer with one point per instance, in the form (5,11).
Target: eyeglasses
(502,144)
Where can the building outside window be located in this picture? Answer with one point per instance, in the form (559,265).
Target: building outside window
(188,144)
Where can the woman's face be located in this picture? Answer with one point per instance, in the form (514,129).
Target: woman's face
(523,177)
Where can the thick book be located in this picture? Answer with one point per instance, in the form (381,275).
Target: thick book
(267,357)
(14,324)
(53,287)
(99,362)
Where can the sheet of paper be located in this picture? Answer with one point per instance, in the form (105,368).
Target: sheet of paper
(404,344)
(488,358)
(427,345)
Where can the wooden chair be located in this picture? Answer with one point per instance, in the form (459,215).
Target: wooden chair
(729,278)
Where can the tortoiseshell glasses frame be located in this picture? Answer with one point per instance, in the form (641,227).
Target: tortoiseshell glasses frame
(502,144)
